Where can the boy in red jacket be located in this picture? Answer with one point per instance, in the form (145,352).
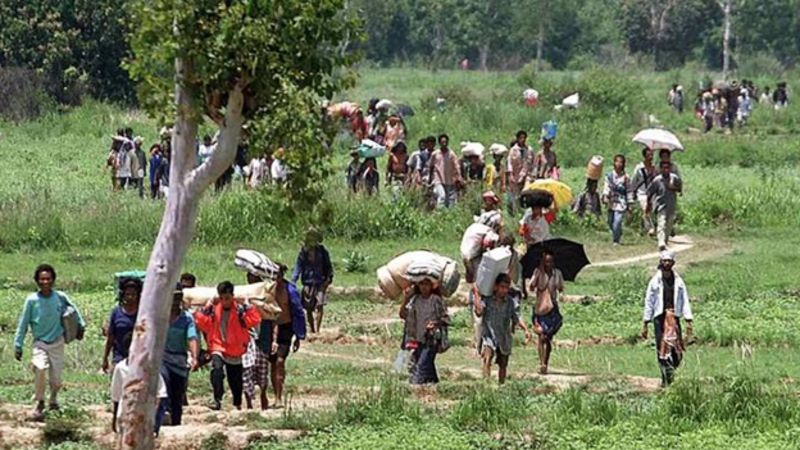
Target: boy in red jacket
(226,323)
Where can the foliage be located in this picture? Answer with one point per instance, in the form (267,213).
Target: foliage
(25,97)
(355,261)
(215,441)
(65,425)
(75,45)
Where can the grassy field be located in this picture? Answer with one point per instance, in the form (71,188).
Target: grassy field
(741,210)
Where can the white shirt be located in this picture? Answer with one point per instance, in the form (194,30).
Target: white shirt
(278,171)
(258,171)
(205,152)
(476,237)
(654,298)
(120,378)
(537,229)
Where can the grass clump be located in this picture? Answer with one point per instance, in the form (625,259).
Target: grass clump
(65,425)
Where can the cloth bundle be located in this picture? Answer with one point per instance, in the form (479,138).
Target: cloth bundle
(256,263)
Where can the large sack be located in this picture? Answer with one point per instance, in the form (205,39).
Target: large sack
(256,263)
(477,237)
(257,294)
(393,277)
(371,149)
(472,149)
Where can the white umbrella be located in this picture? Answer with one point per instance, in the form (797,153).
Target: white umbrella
(658,139)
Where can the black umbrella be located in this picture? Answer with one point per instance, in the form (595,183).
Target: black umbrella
(570,257)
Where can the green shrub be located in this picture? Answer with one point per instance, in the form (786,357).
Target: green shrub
(65,425)
(355,262)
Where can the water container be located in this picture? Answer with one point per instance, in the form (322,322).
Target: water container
(594,170)
(493,263)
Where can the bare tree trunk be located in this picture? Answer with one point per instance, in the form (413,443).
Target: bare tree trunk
(726,38)
(174,237)
(484,56)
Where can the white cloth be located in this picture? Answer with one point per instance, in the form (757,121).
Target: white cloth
(278,171)
(258,172)
(205,152)
(654,298)
(120,378)
(476,237)
(537,230)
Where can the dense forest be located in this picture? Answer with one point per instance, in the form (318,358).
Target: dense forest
(70,48)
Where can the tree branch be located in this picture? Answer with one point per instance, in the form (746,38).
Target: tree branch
(222,158)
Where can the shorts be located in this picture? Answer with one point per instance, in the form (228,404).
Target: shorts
(550,322)
(285,334)
(314,297)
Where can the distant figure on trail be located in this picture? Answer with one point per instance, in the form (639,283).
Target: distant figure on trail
(534,227)
(397,166)
(258,173)
(618,197)
(464,64)
(140,161)
(780,97)
(205,150)
(643,175)
(156,158)
(501,315)
(662,199)
(766,97)
(43,314)
(517,169)
(546,284)
(370,177)
(675,98)
(278,171)
(426,321)
(588,201)
(666,301)
(395,131)
(353,172)
(445,174)
(472,168)
(314,269)
(545,164)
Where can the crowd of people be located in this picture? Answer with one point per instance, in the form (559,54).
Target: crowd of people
(730,104)
(130,167)
(240,341)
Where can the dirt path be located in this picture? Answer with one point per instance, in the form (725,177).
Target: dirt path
(678,244)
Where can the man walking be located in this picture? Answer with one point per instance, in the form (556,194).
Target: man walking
(43,315)
(662,198)
(445,174)
(643,175)
(519,158)
(227,323)
(182,340)
(617,195)
(666,301)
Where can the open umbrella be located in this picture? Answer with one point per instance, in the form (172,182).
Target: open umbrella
(570,257)
(562,193)
(658,139)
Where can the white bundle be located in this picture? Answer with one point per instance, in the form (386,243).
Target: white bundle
(530,93)
(256,263)
(431,269)
(498,149)
(384,104)
(472,149)
(572,101)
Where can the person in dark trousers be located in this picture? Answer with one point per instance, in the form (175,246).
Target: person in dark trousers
(227,323)
(315,270)
(666,301)
(121,324)
(182,339)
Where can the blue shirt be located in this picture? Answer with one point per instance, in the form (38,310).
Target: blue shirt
(155,163)
(43,316)
(313,274)
(120,325)
(180,332)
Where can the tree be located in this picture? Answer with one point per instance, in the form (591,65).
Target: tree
(727,8)
(231,62)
